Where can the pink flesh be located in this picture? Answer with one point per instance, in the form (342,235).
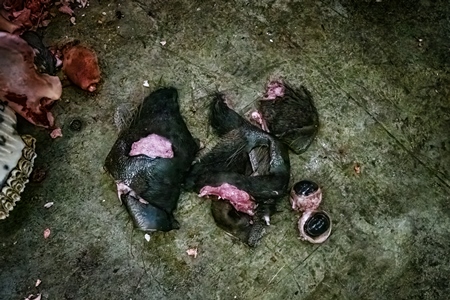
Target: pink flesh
(56,133)
(65,9)
(58,62)
(123,189)
(240,200)
(306,203)
(192,252)
(152,145)
(258,118)
(274,89)
(57,54)
(92,87)
(27,92)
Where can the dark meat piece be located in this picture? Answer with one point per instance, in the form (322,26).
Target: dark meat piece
(80,64)
(150,159)
(289,114)
(44,60)
(232,221)
(248,167)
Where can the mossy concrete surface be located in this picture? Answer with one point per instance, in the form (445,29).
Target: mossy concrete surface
(379,75)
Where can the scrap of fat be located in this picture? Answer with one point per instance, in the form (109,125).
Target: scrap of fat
(11,143)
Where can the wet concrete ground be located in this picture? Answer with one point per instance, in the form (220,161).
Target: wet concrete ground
(379,74)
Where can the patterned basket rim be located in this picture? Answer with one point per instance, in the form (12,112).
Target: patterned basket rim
(18,177)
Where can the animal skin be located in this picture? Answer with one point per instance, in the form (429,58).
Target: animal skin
(289,114)
(247,166)
(149,181)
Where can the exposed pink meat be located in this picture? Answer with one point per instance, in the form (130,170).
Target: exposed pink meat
(65,9)
(306,203)
(258,118)
(28,92)
(152,145)
(123,188)
(274,89)
(240,200)
(192,252)
(56,133)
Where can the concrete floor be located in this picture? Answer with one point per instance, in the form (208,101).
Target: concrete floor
(379,73)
